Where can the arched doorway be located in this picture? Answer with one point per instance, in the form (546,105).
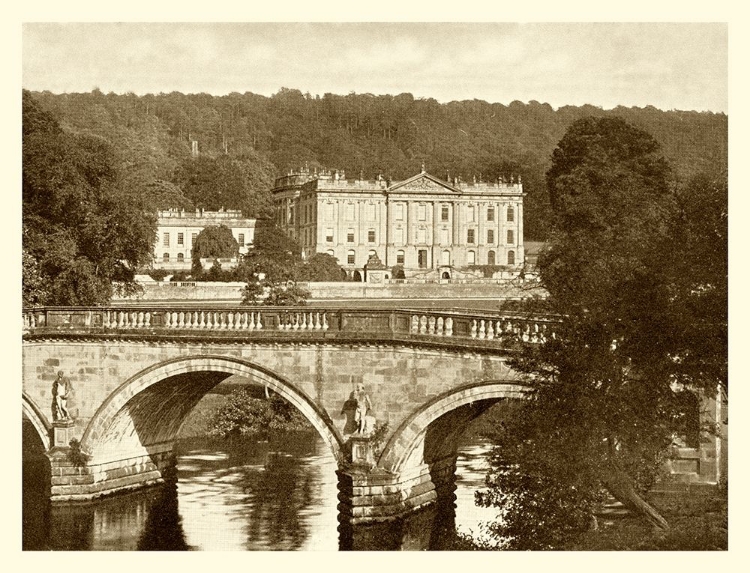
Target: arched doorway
(445,275)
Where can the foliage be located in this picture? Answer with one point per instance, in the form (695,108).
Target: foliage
(321,267)
(81,226)
(216,241)
(75,454)
(158,274)
(243,414)
(397,272)
(603,409)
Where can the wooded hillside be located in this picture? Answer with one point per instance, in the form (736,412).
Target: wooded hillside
(245,140)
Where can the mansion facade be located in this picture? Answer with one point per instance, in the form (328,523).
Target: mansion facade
(177,229)
(429,226)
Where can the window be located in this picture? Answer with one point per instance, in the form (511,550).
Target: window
(421,236)
(490,213)
(350,257)
(444,213)
(180,238)
(511,258)
(470,236)
(490,236)
(329,235)
(399,236)
(422,258)
(370,212)
(400,257)
(371,236)
(350,211)
(510,237)
(471,258)
(166,239)
(330,252)
(445,258)
(192,238)
(445,236)
(470,213)
(180,257)
(165,258)
(241,239)
(399,211)
(491,258)
(422,212)
(350,236)
(511,215)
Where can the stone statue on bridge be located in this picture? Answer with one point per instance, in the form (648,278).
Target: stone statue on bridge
(61,389)
(363,406)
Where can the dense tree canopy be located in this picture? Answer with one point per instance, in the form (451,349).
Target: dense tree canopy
(244,140)
(82,230)
(606,404)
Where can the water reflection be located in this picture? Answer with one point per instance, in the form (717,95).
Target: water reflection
(246,496)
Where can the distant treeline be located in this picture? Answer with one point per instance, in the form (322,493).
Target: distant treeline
(245,140)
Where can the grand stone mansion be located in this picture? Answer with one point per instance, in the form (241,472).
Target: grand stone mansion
(429,226)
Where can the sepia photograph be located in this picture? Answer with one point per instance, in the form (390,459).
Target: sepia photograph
(374,285)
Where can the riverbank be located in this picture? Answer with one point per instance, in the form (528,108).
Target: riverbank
(697,519)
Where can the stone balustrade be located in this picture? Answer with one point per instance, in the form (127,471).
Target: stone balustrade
(460,327)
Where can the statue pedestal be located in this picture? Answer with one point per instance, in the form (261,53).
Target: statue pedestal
(62,433)
(362,452)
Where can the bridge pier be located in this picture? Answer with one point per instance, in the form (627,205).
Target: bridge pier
(384,510)
(74,478)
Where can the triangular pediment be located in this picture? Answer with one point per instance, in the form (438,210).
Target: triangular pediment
(424,183)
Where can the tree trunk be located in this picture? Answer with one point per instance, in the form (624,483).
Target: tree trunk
(621,487)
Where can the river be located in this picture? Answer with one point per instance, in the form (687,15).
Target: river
(278,495)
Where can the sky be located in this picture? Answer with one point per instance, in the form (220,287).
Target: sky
(666,65)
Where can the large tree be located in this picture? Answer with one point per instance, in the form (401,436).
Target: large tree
(84,235)
(606,402)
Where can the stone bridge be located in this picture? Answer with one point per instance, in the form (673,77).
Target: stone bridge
(137,373)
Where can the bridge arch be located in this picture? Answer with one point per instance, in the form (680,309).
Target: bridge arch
(38,420)
(408,441)
(144,414)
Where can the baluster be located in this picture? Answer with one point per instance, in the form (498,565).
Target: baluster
(423,324)
(140,319)
(440,324)
(230,321)
(26,321)
(311,321)
(525,333)
(175,320)
(121,319)
(325,321)
(282,321)
(243,319)
(251,324)
(414,324)
(238,320)
(317,321)
(258,324)
(295,321)
(303,322)
(431,325)
(167,320)
(106,319)
(147,319)
(481,329)
(201,323)
(196,319)
(490,331)
(188,320)
(449,326)
(181,320)
(473,328)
